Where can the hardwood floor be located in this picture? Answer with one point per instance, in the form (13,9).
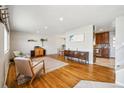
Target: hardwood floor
(65,77)
(107,62)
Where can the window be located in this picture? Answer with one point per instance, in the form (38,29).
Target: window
(6,37)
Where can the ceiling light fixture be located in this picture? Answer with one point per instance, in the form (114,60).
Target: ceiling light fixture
(61,18)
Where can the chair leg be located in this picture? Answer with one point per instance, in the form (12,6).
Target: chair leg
(31,86)
(32,79)
(17,76)
(78,60)
(44,70)
(44,67)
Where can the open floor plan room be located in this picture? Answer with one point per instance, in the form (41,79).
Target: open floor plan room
(61,46)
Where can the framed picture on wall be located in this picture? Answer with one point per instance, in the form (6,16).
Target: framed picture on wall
(77,37)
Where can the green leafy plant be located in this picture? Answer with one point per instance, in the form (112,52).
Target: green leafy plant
(21,54)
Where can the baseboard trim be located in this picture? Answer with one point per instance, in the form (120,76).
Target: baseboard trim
(5,85)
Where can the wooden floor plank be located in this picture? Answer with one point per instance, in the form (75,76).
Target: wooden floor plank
(65,77)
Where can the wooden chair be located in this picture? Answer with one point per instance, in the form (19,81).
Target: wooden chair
(71,54)
(24,66)
(84,56)
(66,53)
(77,55)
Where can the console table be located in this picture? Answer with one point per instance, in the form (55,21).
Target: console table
(38,52)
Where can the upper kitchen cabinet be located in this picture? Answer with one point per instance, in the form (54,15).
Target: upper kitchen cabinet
(98,38)
(105,37)
(102,38)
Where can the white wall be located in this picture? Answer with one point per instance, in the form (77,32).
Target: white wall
(19,41)
(4,58)
(119,41)
(119,50)
(2,69)
(112,49)
(86,45)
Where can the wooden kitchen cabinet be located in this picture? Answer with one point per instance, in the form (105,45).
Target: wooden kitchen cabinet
(102,38)
(102,44)
(98,38)
(102,52)
(105,52)
(106,37)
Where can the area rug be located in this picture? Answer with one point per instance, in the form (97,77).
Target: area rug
(94,84)
(110,63)
(50,65)
(53,64)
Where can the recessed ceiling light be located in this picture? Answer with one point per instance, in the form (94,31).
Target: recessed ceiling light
(61,18)
(46,27)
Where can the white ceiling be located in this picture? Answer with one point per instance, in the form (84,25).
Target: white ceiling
(33,18)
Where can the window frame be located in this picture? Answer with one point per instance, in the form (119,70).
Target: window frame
(6,40)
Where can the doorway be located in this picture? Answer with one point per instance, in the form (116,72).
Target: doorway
(104,48)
